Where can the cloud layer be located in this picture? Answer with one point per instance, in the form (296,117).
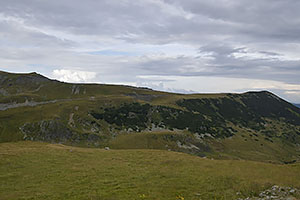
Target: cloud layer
(174,45)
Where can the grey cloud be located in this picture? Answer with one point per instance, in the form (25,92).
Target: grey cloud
(224,64)
(270,53)
(256,39)
(135,21)
(274,19)
(150,21)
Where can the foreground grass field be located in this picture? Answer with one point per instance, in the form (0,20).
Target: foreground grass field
(33,170)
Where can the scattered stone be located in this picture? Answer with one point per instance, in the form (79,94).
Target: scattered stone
(71,121)
(292,191)
(75,89)
(3,92)
(276,193)
(184,146)
(129,130)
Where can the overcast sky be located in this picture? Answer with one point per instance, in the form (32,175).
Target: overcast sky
(172,45)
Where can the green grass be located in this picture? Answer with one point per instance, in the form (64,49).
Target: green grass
(148,140)
(230,148)
(33,170)
(247,146)
(97,97)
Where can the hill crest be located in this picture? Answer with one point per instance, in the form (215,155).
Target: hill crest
(33,107)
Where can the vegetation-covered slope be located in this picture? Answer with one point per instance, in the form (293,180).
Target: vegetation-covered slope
(33,170)
(253,125)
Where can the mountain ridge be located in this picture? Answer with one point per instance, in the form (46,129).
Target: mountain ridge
(252,125)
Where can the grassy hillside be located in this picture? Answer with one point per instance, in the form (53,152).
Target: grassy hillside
(34,170)
(254,125)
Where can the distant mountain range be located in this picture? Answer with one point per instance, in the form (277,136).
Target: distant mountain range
(253,125)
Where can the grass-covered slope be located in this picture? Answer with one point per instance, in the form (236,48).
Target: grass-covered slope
(33,170)
(253,125)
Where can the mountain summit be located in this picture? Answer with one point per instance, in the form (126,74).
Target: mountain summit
(253,125)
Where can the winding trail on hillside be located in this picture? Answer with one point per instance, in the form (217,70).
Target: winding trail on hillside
(6,106)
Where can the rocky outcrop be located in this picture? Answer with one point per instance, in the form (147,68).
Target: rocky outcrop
(32,78)
(75,89)
(3,92)
(7,79)
(277,193)
(56,131)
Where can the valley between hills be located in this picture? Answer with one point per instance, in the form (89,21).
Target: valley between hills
(95,141)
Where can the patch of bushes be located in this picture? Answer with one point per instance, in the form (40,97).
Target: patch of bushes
(141,116)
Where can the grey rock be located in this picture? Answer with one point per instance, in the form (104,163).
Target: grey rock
(57,132)
(276,193)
